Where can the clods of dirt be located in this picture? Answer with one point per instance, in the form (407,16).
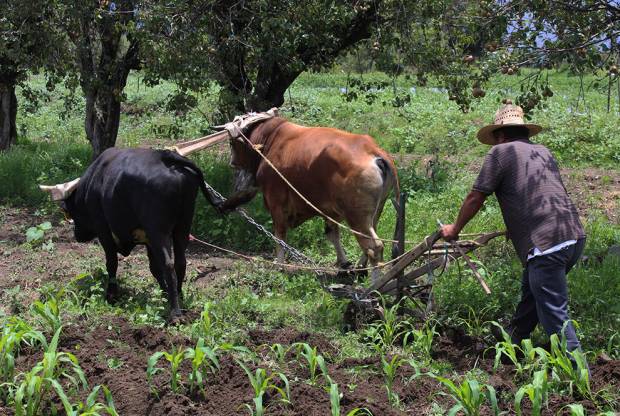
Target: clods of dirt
(290,336)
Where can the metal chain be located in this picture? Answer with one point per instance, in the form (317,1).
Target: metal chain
(293,252)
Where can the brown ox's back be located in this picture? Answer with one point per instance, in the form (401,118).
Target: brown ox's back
(334,169)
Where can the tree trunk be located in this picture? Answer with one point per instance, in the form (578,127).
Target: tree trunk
(8,115)
(103,112)
(273,78)
(107,51)
(271,85)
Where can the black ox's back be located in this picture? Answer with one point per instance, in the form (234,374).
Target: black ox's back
(139,196)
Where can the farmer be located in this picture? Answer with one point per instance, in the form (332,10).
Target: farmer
(540,218)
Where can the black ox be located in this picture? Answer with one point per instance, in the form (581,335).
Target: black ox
(139,196)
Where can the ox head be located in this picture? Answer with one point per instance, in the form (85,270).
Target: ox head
(65,195)
(243,148)
(76,210)
(242,155)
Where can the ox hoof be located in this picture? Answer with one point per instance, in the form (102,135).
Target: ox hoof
(112,292)
(345,273)
(175,318)
(346,265)
(360,274)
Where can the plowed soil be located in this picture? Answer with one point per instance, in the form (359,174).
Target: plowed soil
(227,391)
(115,352)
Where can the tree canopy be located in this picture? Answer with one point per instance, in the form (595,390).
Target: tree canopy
(29,42)
(255,49)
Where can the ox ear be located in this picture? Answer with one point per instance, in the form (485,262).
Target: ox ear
(61,191)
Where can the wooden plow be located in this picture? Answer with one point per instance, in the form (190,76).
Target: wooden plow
(411,276)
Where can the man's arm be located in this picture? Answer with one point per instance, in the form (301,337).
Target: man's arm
(471,205)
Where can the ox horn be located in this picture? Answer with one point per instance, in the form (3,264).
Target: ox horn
(60,191)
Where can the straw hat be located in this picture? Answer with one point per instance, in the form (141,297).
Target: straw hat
(507,115)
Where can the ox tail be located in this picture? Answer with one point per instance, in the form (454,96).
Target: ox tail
(390,177)
(175,159)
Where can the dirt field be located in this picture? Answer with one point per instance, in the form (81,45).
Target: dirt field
(227,391)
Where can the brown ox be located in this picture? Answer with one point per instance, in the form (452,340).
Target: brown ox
(347,176)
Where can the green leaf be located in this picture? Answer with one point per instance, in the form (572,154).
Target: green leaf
(576,410)
(455,409)
(334,398)
(63,396)
(92,397)
(151,370)
(518,398)
(258,403)
(492,397)
(34,234)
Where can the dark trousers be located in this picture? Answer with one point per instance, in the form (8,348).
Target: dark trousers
(544,296)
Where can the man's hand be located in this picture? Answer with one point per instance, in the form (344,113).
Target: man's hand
(472,204)
(449,232)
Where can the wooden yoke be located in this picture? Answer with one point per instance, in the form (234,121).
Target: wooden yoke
(195,145)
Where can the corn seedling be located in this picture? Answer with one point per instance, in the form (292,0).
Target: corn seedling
(613,346)
(578,410)
(204,360)
(575,410)
(175,358)
(313,360)
(262,383)
(334,399)
(278,351)
(469,396)
(474,323)
(536,391)
(416,367)
(533,358)
(15,332)
(49,312)
(91,407)
(44,377)
(205,326)
(505,348)
(569,367)
(384,334)
(389,373)
(421,339)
